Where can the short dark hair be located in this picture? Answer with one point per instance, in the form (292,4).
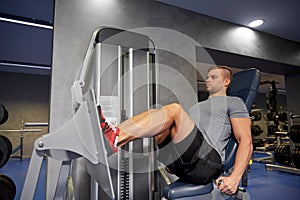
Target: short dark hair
(225,68)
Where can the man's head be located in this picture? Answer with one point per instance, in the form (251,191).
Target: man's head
(218,80)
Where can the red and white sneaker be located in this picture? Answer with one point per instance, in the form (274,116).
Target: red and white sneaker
(110,133)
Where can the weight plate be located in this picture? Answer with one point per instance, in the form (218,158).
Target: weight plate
(8,146)
(294,133)
(8,191)
(3,114)
(3,153)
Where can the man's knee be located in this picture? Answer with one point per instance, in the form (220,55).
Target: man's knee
(174,108)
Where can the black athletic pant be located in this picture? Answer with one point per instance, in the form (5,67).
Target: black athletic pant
(192,160)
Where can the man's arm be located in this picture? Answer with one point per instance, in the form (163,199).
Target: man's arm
(242,132)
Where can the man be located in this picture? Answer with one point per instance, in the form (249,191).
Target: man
(193,145)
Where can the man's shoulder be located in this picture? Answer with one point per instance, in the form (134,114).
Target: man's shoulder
(234,98)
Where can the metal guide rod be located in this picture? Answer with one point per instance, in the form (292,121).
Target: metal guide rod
(119,114)
(97,86)
(131,79)
(148,141)
(156,76)
(148,81)
(119,99)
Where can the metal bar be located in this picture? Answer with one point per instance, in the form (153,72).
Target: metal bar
(15,150)
(21,147)
(70,189)
(32,175)
(149,141)
(283,169)
(97,78)
(119,99)
(94,189)
(295,116)
(268,159)
(35,124)
(131,79)
(119,118)
(164,175)
(146,141)
(156,72)
(87,58)
(22,130)
(148,81)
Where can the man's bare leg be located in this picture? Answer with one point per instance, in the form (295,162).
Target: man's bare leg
(170,119)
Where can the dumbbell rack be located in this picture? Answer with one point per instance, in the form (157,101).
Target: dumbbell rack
(267,156)
(292,146)
(22,131)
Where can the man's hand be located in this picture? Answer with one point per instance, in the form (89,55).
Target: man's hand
(169,171)
(227,185)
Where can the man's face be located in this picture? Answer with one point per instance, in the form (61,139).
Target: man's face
(215,81)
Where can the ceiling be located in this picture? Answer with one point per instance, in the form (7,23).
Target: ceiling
(281,19)
(281,16)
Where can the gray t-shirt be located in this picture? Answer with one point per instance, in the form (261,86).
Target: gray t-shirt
(212,117)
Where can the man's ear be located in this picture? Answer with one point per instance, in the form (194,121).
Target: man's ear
(226,82)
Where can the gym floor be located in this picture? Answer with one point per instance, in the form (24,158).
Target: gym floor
(262,184)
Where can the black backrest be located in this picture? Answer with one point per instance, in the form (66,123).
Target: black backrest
(244,84)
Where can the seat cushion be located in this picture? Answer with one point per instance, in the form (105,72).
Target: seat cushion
(179,190)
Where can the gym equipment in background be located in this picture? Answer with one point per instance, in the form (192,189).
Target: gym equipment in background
(270,144)
(22,132)
(5,144)
(5,150)
(287,155)
(3,114)
(7,188)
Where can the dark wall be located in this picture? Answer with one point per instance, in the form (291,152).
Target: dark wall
(25,94)
(26,97)
(23,44)
(293,94)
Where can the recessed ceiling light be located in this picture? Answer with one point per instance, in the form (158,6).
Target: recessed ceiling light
(256,23)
